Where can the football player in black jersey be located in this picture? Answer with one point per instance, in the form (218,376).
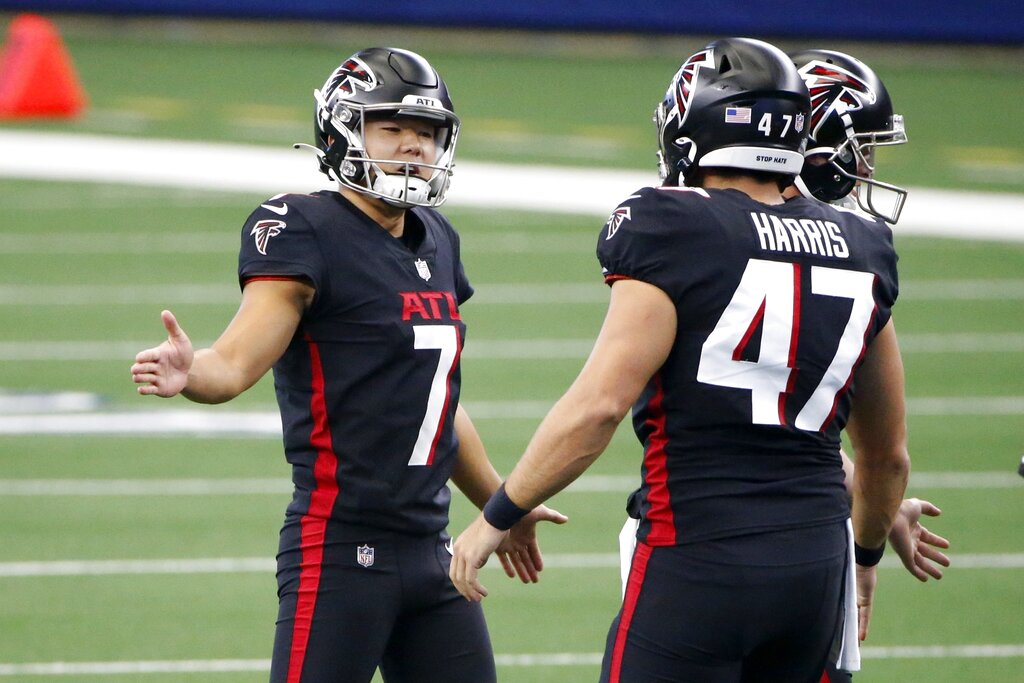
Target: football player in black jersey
(352,297)
(746,332)
(851,115)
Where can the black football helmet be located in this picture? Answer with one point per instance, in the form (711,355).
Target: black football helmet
(738,103)
(851,115)
(392,82)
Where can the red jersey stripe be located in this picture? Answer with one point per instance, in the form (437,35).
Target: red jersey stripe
(314,522)
(793,339)
(663,525)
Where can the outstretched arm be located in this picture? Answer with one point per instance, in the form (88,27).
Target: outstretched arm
(476,477)
(635,339)
(877,429)
(919,549)
(255,338)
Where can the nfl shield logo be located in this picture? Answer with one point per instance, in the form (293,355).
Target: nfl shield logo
(799,123)
(423,269)
(364,555)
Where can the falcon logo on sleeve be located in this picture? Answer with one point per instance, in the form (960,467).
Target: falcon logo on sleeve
(615,221)
(263,231)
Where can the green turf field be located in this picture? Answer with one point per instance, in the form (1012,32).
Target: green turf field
(85,270)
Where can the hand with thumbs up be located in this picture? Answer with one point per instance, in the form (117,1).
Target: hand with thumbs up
(163,370)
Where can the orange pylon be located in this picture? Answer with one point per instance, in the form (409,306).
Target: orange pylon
(37,77)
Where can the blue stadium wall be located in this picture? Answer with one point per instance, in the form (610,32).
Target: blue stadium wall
(977,21)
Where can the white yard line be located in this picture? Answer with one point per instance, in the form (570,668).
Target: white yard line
(504,294)
(108,159)
(281,486)
(266,423)
(226,242)
(547,659)
(267,565)
(494,349)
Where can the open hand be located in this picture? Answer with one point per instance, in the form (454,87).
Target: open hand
(163,370)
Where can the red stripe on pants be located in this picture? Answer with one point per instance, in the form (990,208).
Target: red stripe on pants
(633,585)
(314,523)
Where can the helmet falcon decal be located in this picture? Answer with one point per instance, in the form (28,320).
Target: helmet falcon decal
(833,89)
(682,86)
(349,76)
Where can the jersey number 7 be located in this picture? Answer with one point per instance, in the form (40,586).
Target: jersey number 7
(444,338)
(769,295)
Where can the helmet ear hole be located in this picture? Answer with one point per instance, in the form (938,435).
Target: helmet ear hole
(831,179)
(684,161)
(335,147)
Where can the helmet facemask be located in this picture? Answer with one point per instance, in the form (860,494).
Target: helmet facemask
(852,169)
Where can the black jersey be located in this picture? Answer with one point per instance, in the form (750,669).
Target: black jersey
(369,385)
(776,305)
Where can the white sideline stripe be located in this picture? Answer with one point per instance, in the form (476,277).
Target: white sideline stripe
(504,294)
(143,243)
(521,660)
(942,651)
(978,342)
(192,421)
(268,565)
(534,349)
(139,242)
(20,402)
(962,290)
(505,660)
(498,349)
(588,483)
(109,159)
(960,405)
(144,487)
(126,668)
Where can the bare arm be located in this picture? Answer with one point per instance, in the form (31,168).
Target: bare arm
(919,549)
(473,473)
(476,477)
(255,338)
(878,432)
(636,338)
